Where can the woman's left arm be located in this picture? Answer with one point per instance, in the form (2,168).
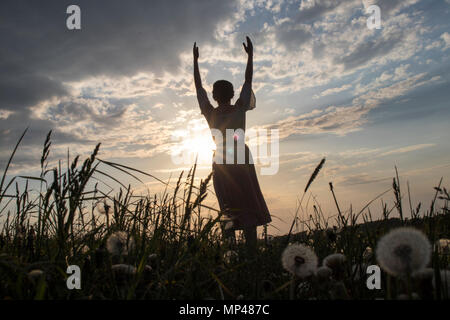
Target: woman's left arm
(246,92)
(202,96)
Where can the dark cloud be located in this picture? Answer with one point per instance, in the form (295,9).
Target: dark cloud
(369,50)
(316,9)
(292,36)
(391,6)
(39,54)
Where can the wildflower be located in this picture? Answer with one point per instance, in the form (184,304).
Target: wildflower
(445,281)
(117,243)
(334,261)
(324,272)
(35,275)
(299,260)
(403,251)
(443,246)
(230,256)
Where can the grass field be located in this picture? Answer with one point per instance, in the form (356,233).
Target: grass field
(170,246)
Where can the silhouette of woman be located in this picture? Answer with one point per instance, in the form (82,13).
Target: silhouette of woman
(236,184)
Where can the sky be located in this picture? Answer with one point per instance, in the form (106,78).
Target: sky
(368,100)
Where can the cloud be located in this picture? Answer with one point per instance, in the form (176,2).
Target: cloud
(332,91)
(314,9)
(53,78)
(293,36)
(359,179)
(369,50)
(341,120)
(408,149)
(390,6)
(335,120)
(446,38)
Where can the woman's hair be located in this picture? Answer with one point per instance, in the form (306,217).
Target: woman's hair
(223,91)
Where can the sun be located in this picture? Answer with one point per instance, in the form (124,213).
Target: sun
(196,142)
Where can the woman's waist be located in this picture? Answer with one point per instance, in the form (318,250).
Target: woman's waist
(234,154)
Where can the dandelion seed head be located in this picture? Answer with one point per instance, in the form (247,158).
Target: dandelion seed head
(334,261)
(324,272)
(117,243)
(299,260)
(403,251)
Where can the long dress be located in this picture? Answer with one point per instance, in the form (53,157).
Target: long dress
(236,184)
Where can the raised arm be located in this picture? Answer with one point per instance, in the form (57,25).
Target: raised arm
(246,91)
(249,69)
(197,78)
(202,97)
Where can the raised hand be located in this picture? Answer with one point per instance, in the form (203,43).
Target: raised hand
(249,47)
(195,51)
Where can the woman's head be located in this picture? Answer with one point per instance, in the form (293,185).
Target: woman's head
(223,91)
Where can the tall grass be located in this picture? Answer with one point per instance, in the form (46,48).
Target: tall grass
(177,251)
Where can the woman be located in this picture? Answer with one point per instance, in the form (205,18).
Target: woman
(235,183)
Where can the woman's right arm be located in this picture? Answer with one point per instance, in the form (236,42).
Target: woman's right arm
(202,96)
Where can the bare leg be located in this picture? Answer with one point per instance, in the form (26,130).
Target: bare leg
(250,239)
